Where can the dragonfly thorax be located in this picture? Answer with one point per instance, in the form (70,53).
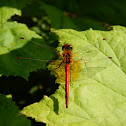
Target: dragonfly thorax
(67,56)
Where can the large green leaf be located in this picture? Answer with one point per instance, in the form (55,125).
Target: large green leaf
(11,46)
(94,100)
(9,113)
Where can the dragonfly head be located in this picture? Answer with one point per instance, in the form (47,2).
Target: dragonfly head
(67,47)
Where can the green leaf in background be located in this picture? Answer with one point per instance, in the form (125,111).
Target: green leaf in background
(58,19)
(110,11)
(84,23)
(63,20)
(113,12)
(9,113)
(9,8)
(11,47)
(96,100)
(5,16)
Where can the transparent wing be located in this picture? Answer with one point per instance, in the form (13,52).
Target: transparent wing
(81,70)
(95,50)
(33,55)
(89,69)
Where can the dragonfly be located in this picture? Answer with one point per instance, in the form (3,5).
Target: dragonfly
(70,68)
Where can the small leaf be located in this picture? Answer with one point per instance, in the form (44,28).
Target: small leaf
(9,113)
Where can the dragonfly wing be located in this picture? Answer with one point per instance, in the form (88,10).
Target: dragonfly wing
(33,55)
(98,49)
(82,70)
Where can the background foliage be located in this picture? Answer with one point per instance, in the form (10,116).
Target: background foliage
(40,16)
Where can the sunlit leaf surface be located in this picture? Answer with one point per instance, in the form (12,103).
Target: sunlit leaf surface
(94,100)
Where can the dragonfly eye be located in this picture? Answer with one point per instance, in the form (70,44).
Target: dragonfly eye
(67,47)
